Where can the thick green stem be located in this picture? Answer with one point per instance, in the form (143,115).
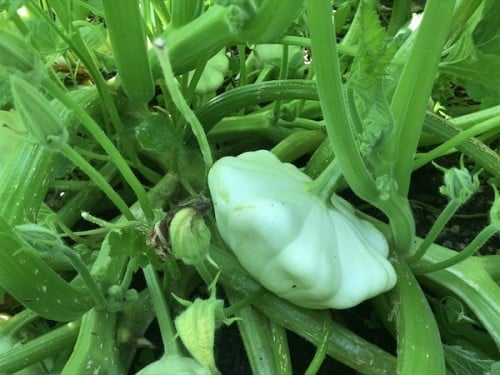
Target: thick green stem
(410,100)
(47,345)
(419,345)
(257,337)
(491,264)
(400,14)
(344,345)
(341,129)
(332,99)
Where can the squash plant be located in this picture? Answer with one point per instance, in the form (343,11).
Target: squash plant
(174,170)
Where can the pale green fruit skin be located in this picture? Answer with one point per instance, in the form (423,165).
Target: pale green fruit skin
(289,240)
(174,365)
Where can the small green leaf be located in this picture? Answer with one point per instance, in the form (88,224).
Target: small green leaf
(464,362)
(130,242)
(156,134)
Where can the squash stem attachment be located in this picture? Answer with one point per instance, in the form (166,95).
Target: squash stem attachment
(325,184)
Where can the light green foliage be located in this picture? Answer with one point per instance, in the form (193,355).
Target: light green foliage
(238,13)
(39,118)
(157,134)
(464,362)
(474,57)
(103,101)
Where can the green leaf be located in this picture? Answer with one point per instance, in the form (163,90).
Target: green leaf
(130,242)
(45,37)
(486,35)
(475,57)
(156,134)
(34,284)
(369,83)
(464,362)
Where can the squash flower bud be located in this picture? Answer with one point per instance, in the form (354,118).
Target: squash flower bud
(15,52)
(312,254)
(459,183)
(189,236)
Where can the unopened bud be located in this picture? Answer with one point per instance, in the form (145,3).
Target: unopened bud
(189,236)
(15,52)
(459,183)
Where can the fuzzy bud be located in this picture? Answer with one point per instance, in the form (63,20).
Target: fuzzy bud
(459,183)
(189,236)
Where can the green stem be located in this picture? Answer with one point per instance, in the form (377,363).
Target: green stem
(324,185)
(474,246)
(258,339)
(99,180)
(93,288)
(181,104)
(45,346)
(491,264)
(25,180)
(333,102)
(282,76)
(410,100)
(298,144)
(320,354)
(243,65)
(401,10)
(108,147)
(419,345)
(205,273)
(340,128)
(344,345)
(15,324)
(458,139)
(437,227)
(241,303)
(165,323)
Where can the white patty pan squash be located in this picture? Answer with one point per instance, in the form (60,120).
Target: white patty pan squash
(309,253)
